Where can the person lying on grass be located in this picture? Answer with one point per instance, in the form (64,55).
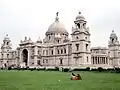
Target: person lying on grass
(76,77)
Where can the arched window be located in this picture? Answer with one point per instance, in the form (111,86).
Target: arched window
(86,47)
(7,43)
(78,25)
(2,55)
(112,40)
(61,61)
(49,37)
(7,55)
(77,47)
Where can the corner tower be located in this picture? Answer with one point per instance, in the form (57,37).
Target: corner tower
(80,42)
(114,49)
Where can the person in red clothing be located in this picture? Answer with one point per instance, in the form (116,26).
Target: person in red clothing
(74,77)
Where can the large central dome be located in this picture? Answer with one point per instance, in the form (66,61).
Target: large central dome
(57,27)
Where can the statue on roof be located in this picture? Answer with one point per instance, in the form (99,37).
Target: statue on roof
(57,13)
(57,19)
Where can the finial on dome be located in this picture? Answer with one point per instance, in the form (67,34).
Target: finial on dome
(112,30)
(57,13)
(79,12)
(57,19)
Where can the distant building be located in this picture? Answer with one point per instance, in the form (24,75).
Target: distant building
(58,50)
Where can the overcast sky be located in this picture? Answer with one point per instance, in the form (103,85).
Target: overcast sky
(31,18)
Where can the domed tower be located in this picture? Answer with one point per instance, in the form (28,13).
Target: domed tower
(56,32)
(80,41)
(113,49)
(6,47)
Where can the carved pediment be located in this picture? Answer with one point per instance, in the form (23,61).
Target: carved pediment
(76,32)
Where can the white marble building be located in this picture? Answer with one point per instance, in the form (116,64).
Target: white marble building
(57,49)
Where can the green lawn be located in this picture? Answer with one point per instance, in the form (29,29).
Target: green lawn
(40,80)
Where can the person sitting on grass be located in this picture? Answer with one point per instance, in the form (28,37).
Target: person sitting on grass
(74,77)
(78,77)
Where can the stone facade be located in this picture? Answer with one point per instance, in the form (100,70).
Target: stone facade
(58,50)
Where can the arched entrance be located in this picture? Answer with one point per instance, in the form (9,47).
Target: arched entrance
(25,56)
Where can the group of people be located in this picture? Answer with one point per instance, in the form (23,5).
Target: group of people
(76,77)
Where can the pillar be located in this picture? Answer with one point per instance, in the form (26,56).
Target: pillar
(28,63)
(93,60)
(35,55)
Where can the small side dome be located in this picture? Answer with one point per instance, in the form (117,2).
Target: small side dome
(6,37)
(80,17)
(39,40)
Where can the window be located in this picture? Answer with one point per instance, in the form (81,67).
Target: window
(7,55)
(86,38)
(38,62)
(58,41)
(61,51)
(112,40)
(87,58)
(7,43)
(2,55)
(86,47)
(58,51)
(52,52)
(77,47)
(78,25)
(64,50)
(61,61)
(49,37)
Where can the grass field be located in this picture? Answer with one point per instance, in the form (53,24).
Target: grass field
(40,80)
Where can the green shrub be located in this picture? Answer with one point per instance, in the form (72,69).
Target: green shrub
(57,68)
(40,69)
(66,69)
(100,69)
(117,69)
(79,69)
(94,69)
(51,69)
(88,69)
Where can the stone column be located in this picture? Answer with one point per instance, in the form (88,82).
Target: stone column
(21,60)
(35,55)
(67,52)
(28,63)
(100,60)
(97,60)
(92,60)
(54,53)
